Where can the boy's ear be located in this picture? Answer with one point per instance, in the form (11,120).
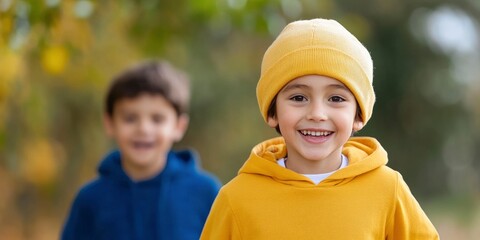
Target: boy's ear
(357,125)
(182,126)
(108,124)
(272,121)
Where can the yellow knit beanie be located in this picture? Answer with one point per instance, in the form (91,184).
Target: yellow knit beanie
(317,47)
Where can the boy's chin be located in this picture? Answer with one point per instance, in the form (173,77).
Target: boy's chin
(142,158)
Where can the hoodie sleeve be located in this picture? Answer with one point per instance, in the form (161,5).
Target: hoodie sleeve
(221,223)
(79,223)
(409,220)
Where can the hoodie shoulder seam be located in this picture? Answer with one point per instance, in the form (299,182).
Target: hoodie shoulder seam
(390,222)
(235,218)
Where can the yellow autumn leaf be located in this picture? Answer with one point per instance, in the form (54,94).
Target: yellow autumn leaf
(6,25)
(11,68)
(41,160)
(55,59)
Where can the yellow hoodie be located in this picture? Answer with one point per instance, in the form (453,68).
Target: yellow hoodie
(365,200)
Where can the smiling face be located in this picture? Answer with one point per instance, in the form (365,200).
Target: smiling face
(316,116)
(145,128)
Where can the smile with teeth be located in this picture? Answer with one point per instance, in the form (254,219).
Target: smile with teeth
(139,144)
(315,133)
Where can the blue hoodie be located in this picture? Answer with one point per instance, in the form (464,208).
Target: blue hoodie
(172,205)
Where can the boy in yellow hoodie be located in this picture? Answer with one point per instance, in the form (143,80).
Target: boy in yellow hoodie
(316,181)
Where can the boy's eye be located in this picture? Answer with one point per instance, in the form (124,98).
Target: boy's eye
(298,98)
(158,118)
(337,99)
(129,118)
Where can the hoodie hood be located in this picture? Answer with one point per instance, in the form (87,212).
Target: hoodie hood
(364,154)
(181,161)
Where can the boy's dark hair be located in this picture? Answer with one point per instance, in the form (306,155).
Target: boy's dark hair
(150,77)
(272,111)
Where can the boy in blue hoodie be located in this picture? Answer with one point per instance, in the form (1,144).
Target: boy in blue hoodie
(145,190)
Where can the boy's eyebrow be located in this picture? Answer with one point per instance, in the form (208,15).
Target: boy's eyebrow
(294,86)
(338,85)
(304,86)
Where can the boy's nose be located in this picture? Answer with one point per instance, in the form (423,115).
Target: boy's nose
(317,112)
(145,126)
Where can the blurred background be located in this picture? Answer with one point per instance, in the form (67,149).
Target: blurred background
(57,57)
